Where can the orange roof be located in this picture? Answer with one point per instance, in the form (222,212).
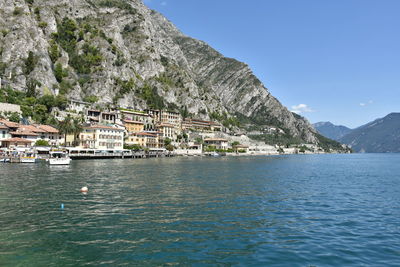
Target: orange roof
(10,123)
(17,140)
(3,127)
(47,128)
(30,128)
(24,133)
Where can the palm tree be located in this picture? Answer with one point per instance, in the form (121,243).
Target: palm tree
(66,127)
(77,127)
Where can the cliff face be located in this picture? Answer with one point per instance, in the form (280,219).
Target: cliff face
(126,54)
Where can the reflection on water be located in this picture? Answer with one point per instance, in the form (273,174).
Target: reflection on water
(336,210)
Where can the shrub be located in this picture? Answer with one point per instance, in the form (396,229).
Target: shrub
(30,63)
(60,73)
(54,52)
(84,62)
(43,24)
(42,143)
(66,34)
(91,99)
(14,117)
(17,11)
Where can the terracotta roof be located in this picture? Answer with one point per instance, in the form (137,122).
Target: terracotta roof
(24,133)
(47,128)
(3,127)
(10,123)
(30,128)
(17,140)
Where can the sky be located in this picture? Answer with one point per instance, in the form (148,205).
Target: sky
(331,60)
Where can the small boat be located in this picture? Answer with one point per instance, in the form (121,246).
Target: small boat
(59,158)
(28,157)
(215,154)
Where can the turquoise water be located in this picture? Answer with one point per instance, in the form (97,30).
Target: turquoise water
(305,210)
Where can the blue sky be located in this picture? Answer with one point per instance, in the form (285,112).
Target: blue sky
(332,60)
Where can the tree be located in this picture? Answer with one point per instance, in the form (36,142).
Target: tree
(41,142)
(14,117)
(132,147)
(60,73)
(169,147)
(30,63)
(77,127)
(235,143)
(66,127)
(31,85)
(167,142)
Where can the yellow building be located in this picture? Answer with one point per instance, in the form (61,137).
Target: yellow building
(143,139)
(133,126)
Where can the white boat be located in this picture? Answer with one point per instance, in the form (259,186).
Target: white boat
(28,157)
(59,158)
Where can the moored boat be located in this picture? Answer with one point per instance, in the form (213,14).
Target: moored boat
(59,158)
(28,157)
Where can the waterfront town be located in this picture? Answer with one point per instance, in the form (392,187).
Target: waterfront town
(86,132)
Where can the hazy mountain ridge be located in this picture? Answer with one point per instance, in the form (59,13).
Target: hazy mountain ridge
(380,136)
(128,55)
(331,131)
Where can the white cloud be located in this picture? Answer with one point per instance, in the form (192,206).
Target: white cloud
(367,103)
(301,108)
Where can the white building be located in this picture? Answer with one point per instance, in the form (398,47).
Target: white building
(102,137)
(218,143)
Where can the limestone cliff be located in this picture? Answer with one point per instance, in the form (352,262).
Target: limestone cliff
(128,55)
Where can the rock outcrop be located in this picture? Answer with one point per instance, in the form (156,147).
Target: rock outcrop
(128,55)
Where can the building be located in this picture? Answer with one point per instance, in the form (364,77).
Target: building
(4,133)
(31,132)
(241,148)
(96,116)
(143,139)
(218,143)
(133,126)
(139,116)
(200,125)
(25,133)
(15,142)
(168,131)
(78,106)
(164,116)
(102,137)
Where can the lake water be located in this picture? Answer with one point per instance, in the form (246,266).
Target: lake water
(299,210)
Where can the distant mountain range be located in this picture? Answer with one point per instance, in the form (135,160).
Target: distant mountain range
(380,136)
(331,131)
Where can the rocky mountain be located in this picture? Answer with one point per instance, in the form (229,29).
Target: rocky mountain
(330,130)
(119,52)
(379,136)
